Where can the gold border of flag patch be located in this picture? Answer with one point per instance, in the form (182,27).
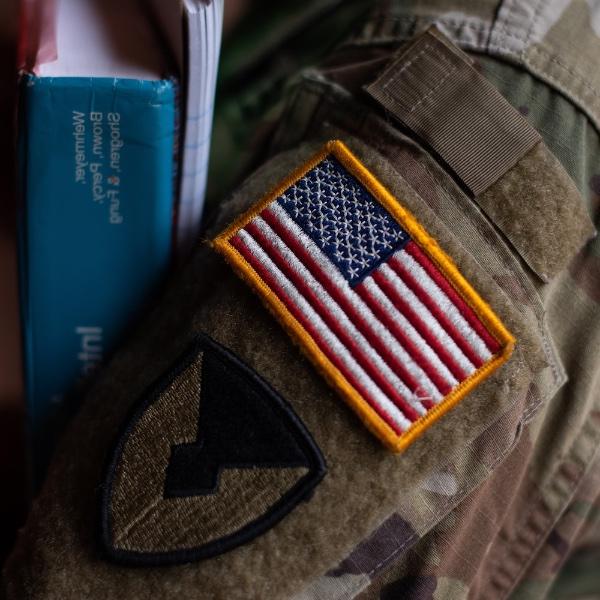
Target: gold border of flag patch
(373,421)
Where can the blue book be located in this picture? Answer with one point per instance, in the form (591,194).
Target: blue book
(97,172)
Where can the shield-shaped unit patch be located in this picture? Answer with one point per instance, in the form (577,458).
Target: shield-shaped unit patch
(210,458)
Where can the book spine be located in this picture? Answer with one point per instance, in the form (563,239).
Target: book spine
(95,227)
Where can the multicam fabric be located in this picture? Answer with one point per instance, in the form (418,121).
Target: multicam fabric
(536,34)
(537,519)
(531,529)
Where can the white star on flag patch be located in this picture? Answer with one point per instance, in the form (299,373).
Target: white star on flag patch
(371,298)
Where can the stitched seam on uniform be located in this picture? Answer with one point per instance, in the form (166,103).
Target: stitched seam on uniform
(509,13)
(427,94)
(397,74)
(550,355)
(477,27)
(408,64)
(433,90)
(454,23)
(531,410)
(534,21)
(571,70)
(539,47)
(424,20)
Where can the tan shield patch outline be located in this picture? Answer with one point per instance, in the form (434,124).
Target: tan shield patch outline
(210,458)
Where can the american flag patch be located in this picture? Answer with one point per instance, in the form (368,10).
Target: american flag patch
(372,299)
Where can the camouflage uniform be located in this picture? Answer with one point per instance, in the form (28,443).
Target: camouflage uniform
(509,506)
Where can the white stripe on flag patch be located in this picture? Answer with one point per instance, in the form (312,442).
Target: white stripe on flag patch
(379,296)
(429,320)
(445,305)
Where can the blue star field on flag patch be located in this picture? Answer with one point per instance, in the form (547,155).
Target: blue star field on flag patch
(341,216)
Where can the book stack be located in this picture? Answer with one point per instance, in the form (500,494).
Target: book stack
(114,129)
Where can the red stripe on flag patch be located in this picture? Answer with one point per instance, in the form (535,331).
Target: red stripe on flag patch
(468,313)
(438,312)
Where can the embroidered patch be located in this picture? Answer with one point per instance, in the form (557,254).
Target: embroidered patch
(374,302)
(211,458)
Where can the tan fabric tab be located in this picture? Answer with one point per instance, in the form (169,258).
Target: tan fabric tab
(433,89)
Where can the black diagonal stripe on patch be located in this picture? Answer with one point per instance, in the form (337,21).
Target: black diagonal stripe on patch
(239,426)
